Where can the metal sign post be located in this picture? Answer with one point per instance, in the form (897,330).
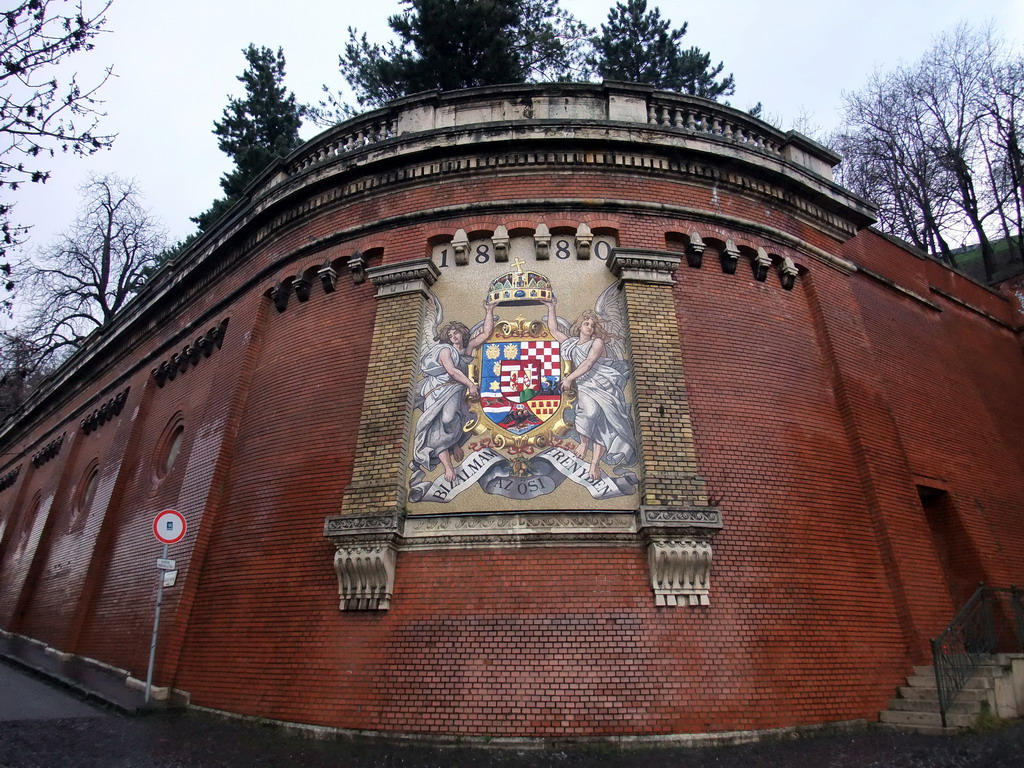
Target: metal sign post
(169,527)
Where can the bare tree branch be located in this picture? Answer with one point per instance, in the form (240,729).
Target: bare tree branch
(39,114)
(82,280)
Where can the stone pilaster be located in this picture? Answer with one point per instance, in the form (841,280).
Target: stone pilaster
(674,516)
(374,501)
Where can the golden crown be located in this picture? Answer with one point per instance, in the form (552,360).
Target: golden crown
(519,288)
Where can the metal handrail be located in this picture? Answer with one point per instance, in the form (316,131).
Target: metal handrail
(976,631)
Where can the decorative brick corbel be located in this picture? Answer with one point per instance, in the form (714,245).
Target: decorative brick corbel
(695,250)
(364,560)
(761,263)
(279,295)
(357,267)
(10,478)
(584,239)
(787,273)
(730,256)
(218,332)
(500,241)
(328,276)
(181,360)
(542,242)
(47,452)
(460,247)
(302,287)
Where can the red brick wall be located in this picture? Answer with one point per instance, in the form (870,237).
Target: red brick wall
(816,412)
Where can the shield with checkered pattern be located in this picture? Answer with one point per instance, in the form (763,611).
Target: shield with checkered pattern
(520,382)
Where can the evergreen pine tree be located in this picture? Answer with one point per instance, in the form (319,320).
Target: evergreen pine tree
(451,44)
(255,129)
(639,46)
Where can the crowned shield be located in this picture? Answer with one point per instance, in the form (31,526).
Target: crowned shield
(520,377)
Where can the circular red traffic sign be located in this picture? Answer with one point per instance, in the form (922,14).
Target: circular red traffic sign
(169,526)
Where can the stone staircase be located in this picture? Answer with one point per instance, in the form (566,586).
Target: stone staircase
(917,706)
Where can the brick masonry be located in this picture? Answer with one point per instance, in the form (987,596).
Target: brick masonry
(810,417)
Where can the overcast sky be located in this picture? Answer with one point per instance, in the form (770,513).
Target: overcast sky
(176,63)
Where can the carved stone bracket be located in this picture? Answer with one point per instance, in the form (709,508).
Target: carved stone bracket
(643,266)
(364,560)
(328,276)
(729,257)
(695,250)
(10,478)
(584,239)
(191,354)
(678,542)
(787,273)
(366,575)
(680,571)
(542,242)
(407,277)
(357,267)
(105,412)
(679,552)
(761,263)
(501,240)
(47,452)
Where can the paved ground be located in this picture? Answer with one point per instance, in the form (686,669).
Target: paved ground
(66,733)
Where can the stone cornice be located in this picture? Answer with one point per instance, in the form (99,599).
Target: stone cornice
(643,266)
(414,276)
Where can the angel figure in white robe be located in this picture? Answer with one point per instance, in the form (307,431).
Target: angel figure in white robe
(603,420)
(443,391)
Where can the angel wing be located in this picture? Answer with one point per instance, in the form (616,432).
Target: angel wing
(433,318)
(611,307)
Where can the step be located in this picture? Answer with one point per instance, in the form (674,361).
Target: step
(928,718)
(932,694)
(932,705)
(928,681)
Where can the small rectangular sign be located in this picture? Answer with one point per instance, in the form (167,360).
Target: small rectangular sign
(165,565)
(170,577)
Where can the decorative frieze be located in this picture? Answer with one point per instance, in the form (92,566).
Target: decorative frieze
(47,452)
(105,412)
(191,354)
(10,478)
(301,285)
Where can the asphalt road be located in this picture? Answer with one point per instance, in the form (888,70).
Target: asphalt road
(43,727)
(23,697)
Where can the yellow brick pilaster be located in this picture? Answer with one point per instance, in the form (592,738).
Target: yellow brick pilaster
(662,407)
(378,474)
